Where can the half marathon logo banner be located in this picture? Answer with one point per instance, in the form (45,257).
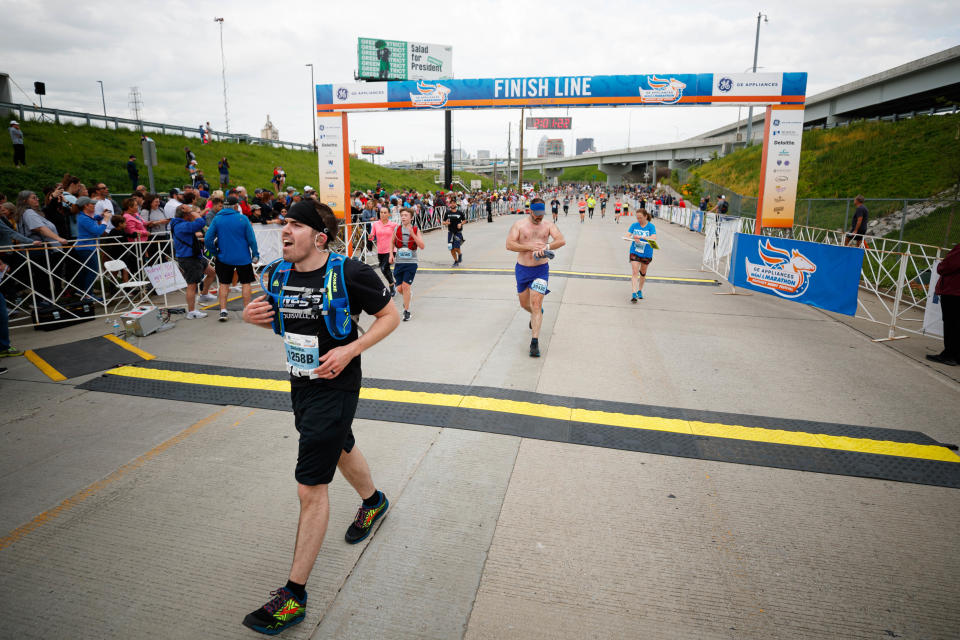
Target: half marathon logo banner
(821,275)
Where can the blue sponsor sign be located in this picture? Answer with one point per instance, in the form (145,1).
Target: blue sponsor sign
(821,275)
(696,221)
(655,89)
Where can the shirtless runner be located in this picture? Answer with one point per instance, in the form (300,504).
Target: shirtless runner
(534,239)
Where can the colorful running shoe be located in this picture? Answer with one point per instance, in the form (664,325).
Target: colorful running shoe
(639,295)
(281,611)
(366,516)
(633,297)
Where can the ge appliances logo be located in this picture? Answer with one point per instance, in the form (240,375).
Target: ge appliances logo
(342,93)
(725,84)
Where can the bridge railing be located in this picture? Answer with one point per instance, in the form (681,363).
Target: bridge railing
(81,117)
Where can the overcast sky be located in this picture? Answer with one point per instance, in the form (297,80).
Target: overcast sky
(171,51)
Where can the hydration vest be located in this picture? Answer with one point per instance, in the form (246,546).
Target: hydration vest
(336,304)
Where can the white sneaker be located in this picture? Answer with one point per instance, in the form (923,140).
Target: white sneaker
(224,315)
(236,289)
(191,315)
(207,297)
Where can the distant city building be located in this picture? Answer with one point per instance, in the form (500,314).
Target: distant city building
(585,145)
(516,152)
(458,155)
(550,148)
(483,154)
(269,132)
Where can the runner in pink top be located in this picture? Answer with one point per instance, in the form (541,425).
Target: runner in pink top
(382,231)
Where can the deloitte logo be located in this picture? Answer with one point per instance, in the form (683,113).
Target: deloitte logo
(342,93)
(725,84)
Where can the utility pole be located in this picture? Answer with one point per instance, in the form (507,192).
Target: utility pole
(104,101)
(223,74)
(520,171)
(448,150)
(756,46)
(509,144)
(313,104)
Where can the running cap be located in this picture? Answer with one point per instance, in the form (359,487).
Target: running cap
(14,122)
(306,213)
(83,201)
(537,208)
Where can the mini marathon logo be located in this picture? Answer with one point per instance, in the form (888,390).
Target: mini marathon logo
(787,273)
(662,91)
(433,95)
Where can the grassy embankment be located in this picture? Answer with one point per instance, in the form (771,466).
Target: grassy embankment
(92,153)
(915,158)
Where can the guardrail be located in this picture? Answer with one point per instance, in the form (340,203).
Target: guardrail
(143,125)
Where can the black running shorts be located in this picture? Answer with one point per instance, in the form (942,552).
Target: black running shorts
(225,272)
(323,417)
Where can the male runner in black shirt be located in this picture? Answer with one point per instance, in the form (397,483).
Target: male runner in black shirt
(324,389)
(453,219)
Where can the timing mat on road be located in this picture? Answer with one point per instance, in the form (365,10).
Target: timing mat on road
(73,359)
(708,282)
(821,447)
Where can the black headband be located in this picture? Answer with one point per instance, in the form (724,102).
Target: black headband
(306,213)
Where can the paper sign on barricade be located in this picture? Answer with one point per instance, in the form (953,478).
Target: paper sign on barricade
(165,277)
(268,242)
(932,314)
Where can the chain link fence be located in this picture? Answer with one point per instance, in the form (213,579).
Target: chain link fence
(932,221)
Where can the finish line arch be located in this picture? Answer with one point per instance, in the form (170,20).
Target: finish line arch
(783,95)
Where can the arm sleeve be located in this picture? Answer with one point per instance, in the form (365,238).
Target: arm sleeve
(364,288)
(951,263)
(252,240)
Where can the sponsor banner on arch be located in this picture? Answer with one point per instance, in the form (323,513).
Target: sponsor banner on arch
(821,275)
(780,166)
(658,89)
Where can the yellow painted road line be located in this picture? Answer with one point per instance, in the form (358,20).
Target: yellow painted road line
(44,366)
(217,304)
(77,498)
(129,347)
(566,273)
(559,412)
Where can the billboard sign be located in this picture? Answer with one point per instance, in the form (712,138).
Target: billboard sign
(369,150)
(380,59)
(780,166)
(663,89)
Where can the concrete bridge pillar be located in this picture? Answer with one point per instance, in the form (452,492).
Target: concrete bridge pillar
(615,172)
(552,175)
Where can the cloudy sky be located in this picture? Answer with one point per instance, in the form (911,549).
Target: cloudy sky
(171,51)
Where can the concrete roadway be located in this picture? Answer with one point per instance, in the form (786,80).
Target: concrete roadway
(133,517)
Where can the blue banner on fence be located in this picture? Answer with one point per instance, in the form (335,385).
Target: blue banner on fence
(822,275)
(696,221)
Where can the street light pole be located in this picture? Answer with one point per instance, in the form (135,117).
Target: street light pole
(313,103)
(223,74)
(756,46)
(103,98)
